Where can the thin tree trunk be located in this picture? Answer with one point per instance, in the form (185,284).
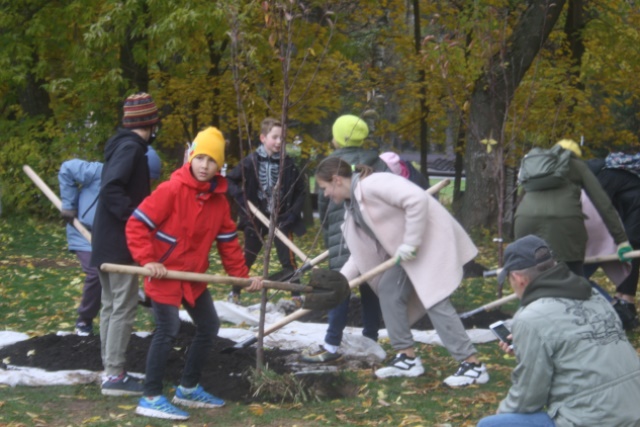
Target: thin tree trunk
(424,109)
(133,71)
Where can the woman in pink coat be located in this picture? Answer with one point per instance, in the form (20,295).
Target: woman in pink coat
(387,215)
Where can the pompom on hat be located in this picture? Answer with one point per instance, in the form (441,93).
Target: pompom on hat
(571,145)
(210,142)
(139,111)
(350,131)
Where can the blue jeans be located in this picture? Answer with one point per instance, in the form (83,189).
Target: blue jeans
(536,419)
(338,317)
(204,316)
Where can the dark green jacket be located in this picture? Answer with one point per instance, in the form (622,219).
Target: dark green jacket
(556,214)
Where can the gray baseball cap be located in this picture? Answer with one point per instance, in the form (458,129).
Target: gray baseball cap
(524,253)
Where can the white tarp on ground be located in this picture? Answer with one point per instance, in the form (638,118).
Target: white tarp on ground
(297,336)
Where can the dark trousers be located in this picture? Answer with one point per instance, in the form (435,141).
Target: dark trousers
(629,286)
(204,316)
(339,316)
(253,242)
(92,290)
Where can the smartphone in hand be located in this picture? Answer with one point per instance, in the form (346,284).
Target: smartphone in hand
(501,331)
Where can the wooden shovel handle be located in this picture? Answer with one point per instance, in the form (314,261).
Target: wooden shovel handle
(590,260)
(279,234)
(439,186)
(202,277)
(612,257)
(54,199)
(489,306)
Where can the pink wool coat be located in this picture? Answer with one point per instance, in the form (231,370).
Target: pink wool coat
(398,211)
(600,242)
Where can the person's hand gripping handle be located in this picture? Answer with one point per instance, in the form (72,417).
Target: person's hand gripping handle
(623,249)
(406,253)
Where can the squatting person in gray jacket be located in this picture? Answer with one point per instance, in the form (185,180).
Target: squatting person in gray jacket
(575,365)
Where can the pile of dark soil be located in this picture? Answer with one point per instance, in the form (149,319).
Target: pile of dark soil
(225,375)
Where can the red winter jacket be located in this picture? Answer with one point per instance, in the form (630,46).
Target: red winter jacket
(176,226)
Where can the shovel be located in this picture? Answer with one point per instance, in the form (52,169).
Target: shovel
(508,298)
(326,288)
(301,312)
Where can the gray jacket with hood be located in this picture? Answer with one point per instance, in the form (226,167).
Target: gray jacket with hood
(573,357)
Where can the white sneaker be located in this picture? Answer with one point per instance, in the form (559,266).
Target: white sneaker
(467,374)
(401,366)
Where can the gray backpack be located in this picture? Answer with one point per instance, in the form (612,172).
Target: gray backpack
(544,168)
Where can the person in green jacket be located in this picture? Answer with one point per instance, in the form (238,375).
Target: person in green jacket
(555,214)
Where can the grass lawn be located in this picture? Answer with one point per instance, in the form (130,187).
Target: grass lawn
(40,286)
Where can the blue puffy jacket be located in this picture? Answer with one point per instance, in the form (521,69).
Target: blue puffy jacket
(79,188)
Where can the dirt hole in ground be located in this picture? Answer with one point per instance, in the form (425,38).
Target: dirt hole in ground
(226,375)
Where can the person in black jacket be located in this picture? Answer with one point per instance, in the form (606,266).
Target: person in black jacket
(125,183)
(254,179)
(619,175)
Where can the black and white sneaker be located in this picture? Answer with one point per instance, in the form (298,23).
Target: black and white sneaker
(84,329)
(401,366)
(467,374)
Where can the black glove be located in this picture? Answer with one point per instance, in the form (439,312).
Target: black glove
(68,215)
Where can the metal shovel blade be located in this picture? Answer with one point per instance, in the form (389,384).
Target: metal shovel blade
(240,345)
(326,288)
(330,288)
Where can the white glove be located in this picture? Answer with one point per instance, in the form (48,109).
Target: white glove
(406,252)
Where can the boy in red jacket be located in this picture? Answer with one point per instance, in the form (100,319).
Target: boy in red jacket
(174,229)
